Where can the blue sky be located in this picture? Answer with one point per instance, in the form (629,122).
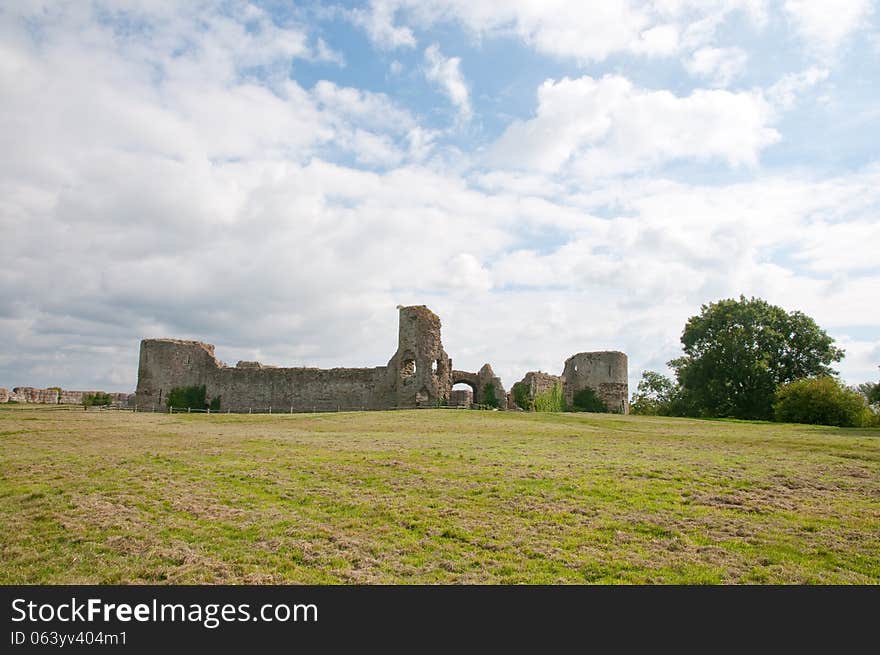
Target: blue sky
(549,177)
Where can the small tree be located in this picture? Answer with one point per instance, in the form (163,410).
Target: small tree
(656,395)
(186,398)
(521,396)
(586,400)
(550,400)
(489,397)
(871,392)
(821,401)
(98,399)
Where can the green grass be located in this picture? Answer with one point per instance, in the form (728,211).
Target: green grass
(433,497)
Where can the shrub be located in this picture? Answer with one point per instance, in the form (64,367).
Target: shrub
(655,396)
(586,400)
(489,397)
(186,398)
(215,404)
(550,400)
(521,396)
(98,399)
(821,401)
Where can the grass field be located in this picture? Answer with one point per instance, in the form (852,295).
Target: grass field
(433,497)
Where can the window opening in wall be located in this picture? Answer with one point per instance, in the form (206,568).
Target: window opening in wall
(408,368)
(435,366)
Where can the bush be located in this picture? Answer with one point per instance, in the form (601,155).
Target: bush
(551,400)
(521,396)
(586,400)
(186,398)
(98,399)
(489,397)
(821,401)
(215,404)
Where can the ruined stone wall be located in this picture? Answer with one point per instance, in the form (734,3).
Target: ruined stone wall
(536,382)
(168,363)
(461,398)
(478,382)
(605,372)
(417,375)
(295,389)
(58,396)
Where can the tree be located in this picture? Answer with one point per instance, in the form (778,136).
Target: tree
(737,352)
(97,399)
(822,401)
(586,400)
(656,395)
(521,396)
(871,392)
(489,397)
(187,398)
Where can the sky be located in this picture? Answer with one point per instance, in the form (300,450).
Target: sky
(548,176)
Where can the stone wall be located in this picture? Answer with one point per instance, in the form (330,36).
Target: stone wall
(605,372)
(536,382)
(461,398)
(478,381)
(58,396)
(417,375)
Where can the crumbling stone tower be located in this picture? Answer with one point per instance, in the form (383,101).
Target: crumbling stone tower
(419,372)
(605,372)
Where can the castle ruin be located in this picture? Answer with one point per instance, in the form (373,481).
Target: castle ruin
(419,374)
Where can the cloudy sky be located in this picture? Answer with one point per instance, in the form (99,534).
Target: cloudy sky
(549,176)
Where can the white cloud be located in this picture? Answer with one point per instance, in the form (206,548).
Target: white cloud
(786,91)
(605,126)
(720,65)
(325,53)
(564,28)
(378,21)
(825,26)
(446,72)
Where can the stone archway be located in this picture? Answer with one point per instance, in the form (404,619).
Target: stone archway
(470,379)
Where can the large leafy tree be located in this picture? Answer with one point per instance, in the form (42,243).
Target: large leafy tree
(737,352)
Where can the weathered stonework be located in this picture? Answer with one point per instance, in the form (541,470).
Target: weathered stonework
(605,372)
(58,396)
(419,374)
(535,382)
(478,381)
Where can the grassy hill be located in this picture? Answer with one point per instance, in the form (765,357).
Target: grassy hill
(433,496)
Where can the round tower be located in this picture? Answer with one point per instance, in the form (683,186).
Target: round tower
(605,372)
